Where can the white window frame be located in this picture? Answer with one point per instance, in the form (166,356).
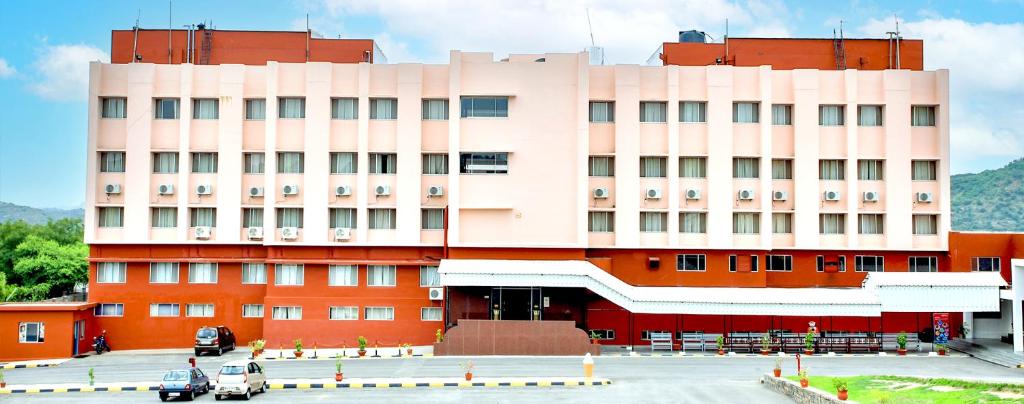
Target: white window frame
(931,261)
(176,309)
(787,263)
(206,310)
(424,317)
(175,270)
(210,266)
(99,310)
(40,336)
(878,265)
(995,264)
(701,262)
(253,307)
(289,313)
(371,279)
(390,311)
(248,268)
(819,262)
(434,279)
(601,221)
(352,278)
(120,267)
(297,276)
(342,309)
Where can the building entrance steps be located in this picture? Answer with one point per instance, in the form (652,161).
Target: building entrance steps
(989,350)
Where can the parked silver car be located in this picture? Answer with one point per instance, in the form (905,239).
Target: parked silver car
(240,378)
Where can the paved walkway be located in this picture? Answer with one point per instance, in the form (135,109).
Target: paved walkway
(989,350)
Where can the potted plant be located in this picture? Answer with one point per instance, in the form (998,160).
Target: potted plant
(804,382)
(809,344)
(362,345)
(438,336)
(594,337)
(778,367)
(720,343)
(337,368)
(259,344)
(840,385)
(766,344)
(408,349)
(941,348)
(901,340)
(92,377)
(468,367)
(2,382)
(298,348)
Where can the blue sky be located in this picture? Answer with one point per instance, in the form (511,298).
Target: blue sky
(45,47)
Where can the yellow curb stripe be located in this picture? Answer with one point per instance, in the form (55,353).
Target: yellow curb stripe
(409,384)
(60,390)
(518,384)
(355,386)
(277,386)
(302,385)
(32,390)
(490,384)
(114,388)
(465,384)
(382,385)
(330,385)
(544,383)
(436,384)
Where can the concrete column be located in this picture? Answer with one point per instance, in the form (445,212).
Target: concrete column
(363,156)
(627,156)
(92,158)
(582,148)
(1017,304)
(270,156)
(852,191)
(945,218)
(765,82)
(229,153)
(185,154)
(898,194)
(409,150)
(316,143)
(720,154)
(672,118)
(454,133)
(969,325)
(806,137)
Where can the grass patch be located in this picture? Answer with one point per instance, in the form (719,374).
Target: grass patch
(899,389)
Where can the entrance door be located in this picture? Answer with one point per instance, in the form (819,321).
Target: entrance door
(79,331)
(515,303)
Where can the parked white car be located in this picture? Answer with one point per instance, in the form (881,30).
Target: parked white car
(240,378)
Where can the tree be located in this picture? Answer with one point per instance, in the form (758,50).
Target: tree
(47,262)
(15,293)
(11,234)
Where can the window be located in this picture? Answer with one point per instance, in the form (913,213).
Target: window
(290,163)
(113,107)
(380,275)
(108,310)
(164,218)
(345,108)
(289,217)
(484,107)
(205,108)
(653,167)
(840,264)
(111,272)
(645,335)
(430,314)
(652,111)
(782,223)
(382,163)
(871,170)
(253,163)
(782,114)
(746,223)
(252,217)
(746,112)
(254,273)
(382,219)
(344,313)
(252,311)
(746,167)
(202,272)
(602,166)
(693,167)
(926,224)
(435,164)
(869,263)
(164,310)
(287,313)
(111,216)
(379,313)
(832,223)
(923,170)
(831,115)
(870,223)
(605,334)
(923,264)
(204,162)
(779,263)
(256,109)
(165,163)
(342,275)
(483,163)
(429,276)
(199,310)
(832,170)
(288,274)
(922,115)
(30,332)
(693,222)
(343,218)
(432,219)
(343,163)
(165,108)
(163,272)
(435,110)
(202,217)
(736,263)
(869,115)
(693,111)
(690,262)
(601,222)
(986,264)
(602,111)
(383,108)
(653,222)
(291,108)
(782,169)
(111,162)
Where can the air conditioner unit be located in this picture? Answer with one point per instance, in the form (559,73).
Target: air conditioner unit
(871,196)
(601,193)
(382,190)
(112,189)
(289,233)
(255,192)
(165,189)
(653,193)
(435,190)
(746,194)
(342,234)
(436,293)
(831,195)
(203,232)
(692,193)
(342,190)
(255,233)
(290,189)
(924,197)
(204,189)
(780,195)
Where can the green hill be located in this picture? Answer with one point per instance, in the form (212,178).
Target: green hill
(12,212)
(991,200)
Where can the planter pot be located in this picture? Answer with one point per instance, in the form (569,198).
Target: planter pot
(469,376)
(595,341)
(808,352)
(721,352)
(942,352)
(298,354)
(362,352)
(901,351)
(408,351)
(765,352)
(842,395)
(777,372)
(804,383)
(337,377)
(3,384)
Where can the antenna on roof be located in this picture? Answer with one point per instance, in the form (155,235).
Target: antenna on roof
(596,52)
(135,39)
(894,36)
(170,9)
(308,33)
(591,28)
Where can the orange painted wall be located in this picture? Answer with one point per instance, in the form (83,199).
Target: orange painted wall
(787,54)
(237,47)
(58,334)
(965,245)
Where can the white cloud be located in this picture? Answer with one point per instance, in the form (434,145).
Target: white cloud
(6,70)
(62,71)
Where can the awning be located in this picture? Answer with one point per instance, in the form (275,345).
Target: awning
(936,291)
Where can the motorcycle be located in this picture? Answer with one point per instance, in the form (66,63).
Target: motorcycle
(99,344)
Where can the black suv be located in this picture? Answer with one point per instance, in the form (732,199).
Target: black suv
(214,339)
